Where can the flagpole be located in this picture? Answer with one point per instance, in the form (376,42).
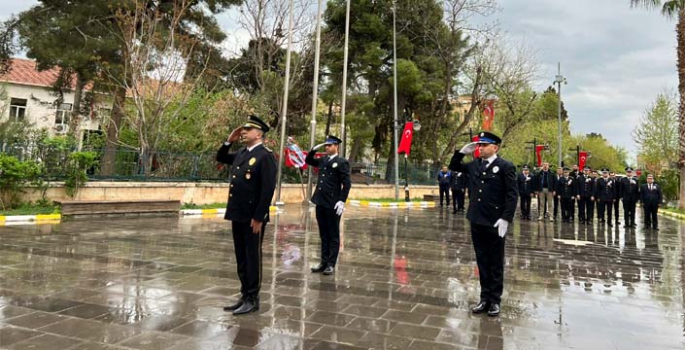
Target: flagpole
(343,103)
(315,99)
(284,112)
(394,68)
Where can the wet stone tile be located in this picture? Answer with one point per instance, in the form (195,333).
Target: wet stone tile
(154,341)
(10,335)
(46,342)
(36,320)
(91,330)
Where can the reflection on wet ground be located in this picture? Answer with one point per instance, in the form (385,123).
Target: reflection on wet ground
(404,281)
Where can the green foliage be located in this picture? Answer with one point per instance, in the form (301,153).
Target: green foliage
(76,177)
(657,133)
(38,208)
(669,180)
(14,176)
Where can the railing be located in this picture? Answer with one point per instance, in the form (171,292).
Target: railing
(174,166)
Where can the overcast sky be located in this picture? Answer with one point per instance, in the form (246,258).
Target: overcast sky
(616,59)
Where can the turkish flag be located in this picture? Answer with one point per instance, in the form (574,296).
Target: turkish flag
(582,158)
(405,141)
(488,114)
(538,153)
(476,153)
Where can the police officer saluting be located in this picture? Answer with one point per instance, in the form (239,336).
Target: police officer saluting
(493,196)
(332,189)
(630,193)
(253,182)
(525,185)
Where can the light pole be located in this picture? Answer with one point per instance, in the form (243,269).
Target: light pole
(394,72)
(284,112)
(315,99)
(558,80)
(343,102)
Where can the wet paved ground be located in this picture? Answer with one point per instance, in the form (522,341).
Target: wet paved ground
(404,281)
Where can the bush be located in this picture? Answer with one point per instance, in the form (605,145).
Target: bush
(14,175)
(76,175)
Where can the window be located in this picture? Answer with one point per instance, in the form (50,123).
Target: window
(17,108)
(63,114)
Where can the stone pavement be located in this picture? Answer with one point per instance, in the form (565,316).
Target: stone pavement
(404,281)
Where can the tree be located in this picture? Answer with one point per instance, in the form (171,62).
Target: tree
(657,133)
(675,9)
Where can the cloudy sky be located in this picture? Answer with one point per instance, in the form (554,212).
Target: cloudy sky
(616,59)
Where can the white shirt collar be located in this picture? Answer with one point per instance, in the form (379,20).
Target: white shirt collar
(249,149)
(333,156)
(491,159)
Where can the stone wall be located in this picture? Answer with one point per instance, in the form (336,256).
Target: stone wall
(204,193)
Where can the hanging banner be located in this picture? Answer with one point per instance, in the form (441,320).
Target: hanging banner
(582,159)
(538,153)
(405,141)
(488,114)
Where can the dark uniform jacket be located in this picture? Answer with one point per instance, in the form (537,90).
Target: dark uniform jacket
(555,183)
(253,181)
(458,182)
(650,197)
(585,186)
(605,189)
(619,188)
(334,182)
(493,193)
(630,189)
(566,187)
(526,185)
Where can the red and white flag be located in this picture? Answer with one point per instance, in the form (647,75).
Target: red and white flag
(538,153)
(488,115)
(476,152)
(582,159)
(405,141)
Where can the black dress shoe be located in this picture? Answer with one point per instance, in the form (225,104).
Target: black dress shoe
(235,306)
(493,310)
(656,229)
(329,270)
(248,306)
(480,308)
(319,268)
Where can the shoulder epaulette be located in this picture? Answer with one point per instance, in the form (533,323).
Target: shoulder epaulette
(268,149)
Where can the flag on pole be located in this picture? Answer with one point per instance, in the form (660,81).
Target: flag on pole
(582,158)
(538,153)
(405,142)
(488,115)
(294,156)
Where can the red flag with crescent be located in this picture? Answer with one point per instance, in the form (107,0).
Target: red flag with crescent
(538,153)
(476,153)
(582,158)
(488,115)
(405,141)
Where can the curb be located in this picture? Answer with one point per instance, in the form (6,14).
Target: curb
(673,215)
(392,205)
(29,219)
(208,212)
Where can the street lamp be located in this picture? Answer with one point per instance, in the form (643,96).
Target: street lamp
(394,112)
(558,80)
(416,127)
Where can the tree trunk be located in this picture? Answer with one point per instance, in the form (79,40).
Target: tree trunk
(680,33)
(356,149)
(75,122)
(113,131)
(330,117)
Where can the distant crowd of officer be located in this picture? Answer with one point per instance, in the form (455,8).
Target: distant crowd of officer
(569,193)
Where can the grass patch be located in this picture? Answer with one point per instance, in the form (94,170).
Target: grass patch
(203,206)
(674,210)
(32,209)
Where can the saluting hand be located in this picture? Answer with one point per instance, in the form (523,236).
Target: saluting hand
(469,148)
(318,146)
(235,135)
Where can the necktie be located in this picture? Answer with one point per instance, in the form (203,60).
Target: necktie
(651,187)
(484,166)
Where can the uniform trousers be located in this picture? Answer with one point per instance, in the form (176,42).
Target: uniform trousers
(329,231)
(248,253)
(566,208)
(489,248)
(651,218)
(585,209)
(629,211)
(458,199)
(525,205)
(603,206)
(616,209)
(445,193)
(544,202)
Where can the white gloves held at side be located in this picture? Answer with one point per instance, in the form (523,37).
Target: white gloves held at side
(502,226)
(469,148)
(339,207)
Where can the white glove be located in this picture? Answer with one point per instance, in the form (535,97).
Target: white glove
(469,148)
(318,146)
(502,226)
(339,207)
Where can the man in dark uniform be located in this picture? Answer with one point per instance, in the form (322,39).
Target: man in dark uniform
(525,186)
(566,191)
(651,197)
(458,192)
(492,205)
(253,182)
(444,178)
(585,196)
(330,196)
(630,191)
(544,191)
(619,195)
(605,194)
(555,185)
